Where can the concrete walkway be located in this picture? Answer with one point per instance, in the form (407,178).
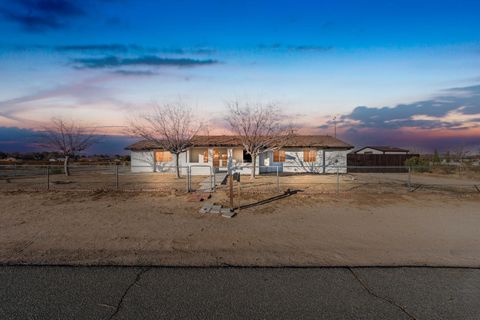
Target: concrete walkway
(238,293)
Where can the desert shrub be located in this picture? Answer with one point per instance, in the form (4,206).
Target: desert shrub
(468,168)
(436,157)
(445,169)
(418,164)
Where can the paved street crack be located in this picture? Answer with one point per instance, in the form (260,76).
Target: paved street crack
(386,299)
(120,302)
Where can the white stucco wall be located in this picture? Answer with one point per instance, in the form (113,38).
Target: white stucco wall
(246,168)
(336,160)
(170,165)
(141,161)
(144,161)
(294,162)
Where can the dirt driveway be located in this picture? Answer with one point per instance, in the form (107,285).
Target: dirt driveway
(301,230)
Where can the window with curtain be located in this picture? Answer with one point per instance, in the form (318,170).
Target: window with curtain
(279,156)
(309,155)
(163,156)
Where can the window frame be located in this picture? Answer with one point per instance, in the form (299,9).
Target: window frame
(310,155)
(279,156)
(205,156)
(166,156)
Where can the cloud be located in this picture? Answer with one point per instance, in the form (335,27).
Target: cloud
(199,51)
(114,61)
(415,141)
(310,48)
(53,7)
(206,51)
(106,48)
(96,47)
(446,121)
(135,72)
(8,134)
(14,139)
(41,15)
(452,111)
(84,92)
(124,48)
(32,23)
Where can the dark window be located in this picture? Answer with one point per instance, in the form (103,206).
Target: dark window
(247,157)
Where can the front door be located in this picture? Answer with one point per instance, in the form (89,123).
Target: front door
(216,158)
(220,158)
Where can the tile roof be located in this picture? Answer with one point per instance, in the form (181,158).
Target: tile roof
(298,141)
(385,149)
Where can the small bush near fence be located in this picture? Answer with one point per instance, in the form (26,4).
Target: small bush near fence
(418,164)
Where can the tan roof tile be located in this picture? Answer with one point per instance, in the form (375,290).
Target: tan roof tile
(299,141)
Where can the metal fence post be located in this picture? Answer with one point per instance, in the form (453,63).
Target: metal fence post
(211,179)
(116,176)
(214,182)
(48,177)
(190,179)
(278,182)
(409,178)
(338,181)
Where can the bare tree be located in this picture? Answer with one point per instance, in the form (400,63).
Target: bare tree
(259,128)
(67,138)
(170,126)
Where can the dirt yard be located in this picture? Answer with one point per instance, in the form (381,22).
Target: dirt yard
(138,228)
(91,179)
(94,179)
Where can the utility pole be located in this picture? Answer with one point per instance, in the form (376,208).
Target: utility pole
(334,126)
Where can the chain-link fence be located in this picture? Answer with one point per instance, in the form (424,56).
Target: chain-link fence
(92,177)
(345,179)
(272,180)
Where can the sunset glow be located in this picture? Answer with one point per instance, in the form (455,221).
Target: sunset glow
(403,73)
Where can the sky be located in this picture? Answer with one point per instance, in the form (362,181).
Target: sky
(403,73)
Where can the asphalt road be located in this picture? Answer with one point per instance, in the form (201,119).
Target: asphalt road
(238,293)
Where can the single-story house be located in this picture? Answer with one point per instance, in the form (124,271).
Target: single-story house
(304,153)
(381,150)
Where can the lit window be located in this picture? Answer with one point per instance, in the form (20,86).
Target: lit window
(279,156)
(309,155)
(163,156)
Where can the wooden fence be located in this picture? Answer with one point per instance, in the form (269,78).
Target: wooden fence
(369,161)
